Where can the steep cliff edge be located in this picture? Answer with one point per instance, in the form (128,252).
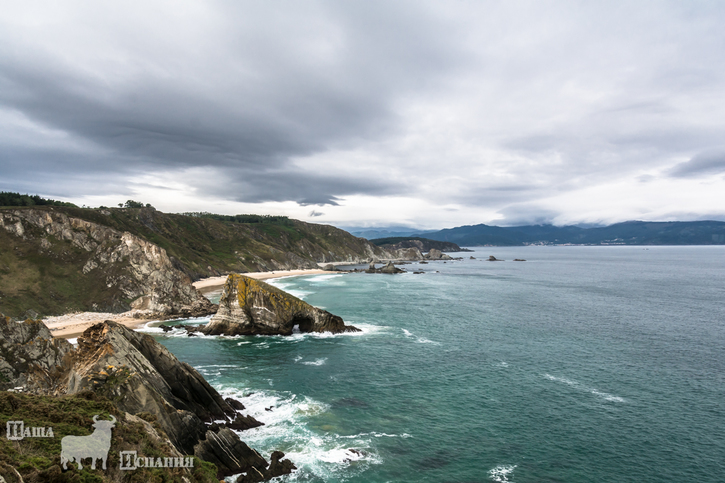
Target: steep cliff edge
(57,263)
(249,307)
(139,376)
(56,260)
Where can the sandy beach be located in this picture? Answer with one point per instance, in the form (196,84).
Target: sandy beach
(215,283)
(72,325)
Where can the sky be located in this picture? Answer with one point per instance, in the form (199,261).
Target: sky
(429,114)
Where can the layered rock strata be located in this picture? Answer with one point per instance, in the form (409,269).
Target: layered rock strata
(251,307)
(141,377)
(136,273)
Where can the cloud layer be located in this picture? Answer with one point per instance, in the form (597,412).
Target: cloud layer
(429,113)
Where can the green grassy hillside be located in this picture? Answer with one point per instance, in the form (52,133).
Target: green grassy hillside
(46,274)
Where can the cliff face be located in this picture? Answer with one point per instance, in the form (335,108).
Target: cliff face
(29,355)
(54,259)
(139,376)
(249,307)
(58,259)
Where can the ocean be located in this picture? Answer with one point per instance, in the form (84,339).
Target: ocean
(581,364)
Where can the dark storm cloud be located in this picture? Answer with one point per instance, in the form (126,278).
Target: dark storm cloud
(482,105)
(274,90)
(704,164)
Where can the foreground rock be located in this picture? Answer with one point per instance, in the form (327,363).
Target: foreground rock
(141,377)
(29,355)
(251,307)
(435,254)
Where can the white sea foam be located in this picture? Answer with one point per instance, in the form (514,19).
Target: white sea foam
(73,341)
(324,278)
(318,454)
(317,362)
(419,340)
(501,473)
(604,395)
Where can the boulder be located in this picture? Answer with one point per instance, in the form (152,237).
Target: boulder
(329,268)
(241,423)
(251,307)
(390,268)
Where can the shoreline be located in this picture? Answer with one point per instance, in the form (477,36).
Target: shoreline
(69,326)
(211,284)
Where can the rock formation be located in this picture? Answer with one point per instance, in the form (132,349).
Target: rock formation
(390,268)
(435,254)
(29,355)
(141,377)
(249,307)
(135,273)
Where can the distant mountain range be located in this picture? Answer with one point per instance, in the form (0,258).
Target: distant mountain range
(627,233)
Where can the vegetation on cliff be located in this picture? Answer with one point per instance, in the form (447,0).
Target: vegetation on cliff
(38,459)
(58,269)
(250,307)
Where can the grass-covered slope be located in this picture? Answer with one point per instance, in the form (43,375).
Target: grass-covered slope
(49,273)
(38,459)
(206,246)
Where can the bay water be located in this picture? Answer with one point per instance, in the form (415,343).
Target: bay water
(580,364)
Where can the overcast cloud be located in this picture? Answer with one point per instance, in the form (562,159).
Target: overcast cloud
(432,114)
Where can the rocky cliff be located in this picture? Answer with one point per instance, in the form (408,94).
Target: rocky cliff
(53,259)
(139,376)
(249,307)
(60,259)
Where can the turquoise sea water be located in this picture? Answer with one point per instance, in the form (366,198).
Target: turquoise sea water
(582,364)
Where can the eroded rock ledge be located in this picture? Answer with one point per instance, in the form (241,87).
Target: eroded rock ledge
(252,307)
(140,376)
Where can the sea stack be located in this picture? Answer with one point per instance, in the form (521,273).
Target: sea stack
(250,307)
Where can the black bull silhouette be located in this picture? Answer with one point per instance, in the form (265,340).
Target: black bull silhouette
(94,446)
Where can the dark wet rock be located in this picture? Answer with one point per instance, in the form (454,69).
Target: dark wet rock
(242,423)
(237,405)
(494,259)
(519,260)
(249,307)
(277,467)
(418,273)
(228,453)
(472,258)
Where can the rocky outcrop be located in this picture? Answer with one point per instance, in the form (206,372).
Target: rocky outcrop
(422,244)
(141,377)
(136,273)
(390,268)
(249,307)
(435,254)
(29,355)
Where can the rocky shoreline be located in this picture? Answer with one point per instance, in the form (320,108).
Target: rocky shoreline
(140,377)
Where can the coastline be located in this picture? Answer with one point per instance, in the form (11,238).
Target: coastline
(211,284)
(69,326)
